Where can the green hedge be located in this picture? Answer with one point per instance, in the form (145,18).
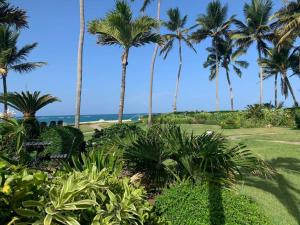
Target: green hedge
(189,205)
(62,140)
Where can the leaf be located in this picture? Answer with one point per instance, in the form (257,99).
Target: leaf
(48,220)
(31,203)
(26,212)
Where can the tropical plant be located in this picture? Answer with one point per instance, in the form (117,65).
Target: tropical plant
(255,30)
(10,15)
(13,129)
(12,58)
(120,28)
(279,61)
(79,64)
(214,25)
(88,197)
(176,24)
(27,103)
(287,20)
(228,56)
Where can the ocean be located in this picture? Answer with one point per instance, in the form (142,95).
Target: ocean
(69,119)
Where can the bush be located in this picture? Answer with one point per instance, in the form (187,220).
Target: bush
(189,205)
(297,118)
(61,139)
(230,124)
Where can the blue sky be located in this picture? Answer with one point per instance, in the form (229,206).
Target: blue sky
(55,25)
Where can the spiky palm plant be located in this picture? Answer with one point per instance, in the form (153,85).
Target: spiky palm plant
(176,24)
(13,58)
(27,103)
(255,30)
(121,29)
(10,15)
(214,25)
(228,57)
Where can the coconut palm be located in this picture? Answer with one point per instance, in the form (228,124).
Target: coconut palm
(153,60)
(214,25)
(176,24)
(13,58)
(279,61)
(79,64)
(228,57)
(255,30)
(10,15)
(120,28)
(27,103)
(288,21)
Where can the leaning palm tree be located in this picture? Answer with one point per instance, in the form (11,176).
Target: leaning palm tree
(176,24)
(10,15)
(120,28)
(12,58)
(255,30)
(228,57)
(79,64)
(153,60)
(214,25)
(27,103)
(279,61)
(288,21)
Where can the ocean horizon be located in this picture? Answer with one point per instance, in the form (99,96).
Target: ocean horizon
(69,119)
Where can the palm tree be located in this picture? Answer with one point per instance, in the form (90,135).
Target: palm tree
(279,61)
(288,21)
(214,25)
(145,4)
(27,103)
(228,56)
(176,24)
(119,28)
(12,58)
(10,15)
(255,30)
(79,64)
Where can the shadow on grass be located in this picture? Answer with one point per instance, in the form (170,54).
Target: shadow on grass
(279,186)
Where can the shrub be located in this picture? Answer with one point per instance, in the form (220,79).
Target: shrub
(297,118)
(230,124)
(61,139)
(89,197)
(190,205)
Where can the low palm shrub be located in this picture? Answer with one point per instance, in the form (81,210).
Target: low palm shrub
(194,205)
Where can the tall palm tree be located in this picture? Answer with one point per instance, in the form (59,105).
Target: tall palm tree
(12,58)
(79,63)
(27,103)
(228,56)
(153,60)
(10,15)
(255,30)
(288,20)
(176,24)
(279,61)
(120,28)
(214,25)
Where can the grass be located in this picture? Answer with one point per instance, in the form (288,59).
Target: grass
(279,196)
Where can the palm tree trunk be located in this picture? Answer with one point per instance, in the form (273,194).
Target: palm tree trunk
(217,78)
(79,65)
(286,79)
(123,85)
(260,79)
(178,78)
(230,90)
(4,76)
(152,70)
(275,88)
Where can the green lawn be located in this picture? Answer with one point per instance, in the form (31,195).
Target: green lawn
(279,196)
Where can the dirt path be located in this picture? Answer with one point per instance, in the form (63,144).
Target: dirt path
(283,142)
(235,137)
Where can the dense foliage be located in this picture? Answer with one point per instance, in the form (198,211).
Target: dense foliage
(86,197)
(254,116)
(190,205)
